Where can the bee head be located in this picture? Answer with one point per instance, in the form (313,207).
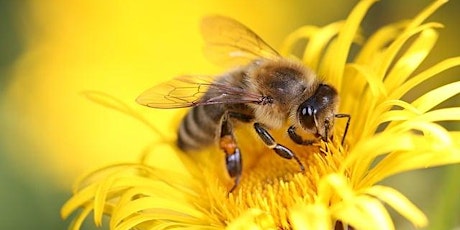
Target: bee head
(316,114)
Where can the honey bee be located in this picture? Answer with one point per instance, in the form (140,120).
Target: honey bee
(267,91)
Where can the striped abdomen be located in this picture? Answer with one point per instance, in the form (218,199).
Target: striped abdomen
(200,127)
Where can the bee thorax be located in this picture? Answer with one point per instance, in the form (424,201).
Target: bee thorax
(270,117)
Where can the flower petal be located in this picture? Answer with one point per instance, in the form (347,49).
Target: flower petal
(363,212)
(437,96)
(336,56)
(431,72)
(377,42)
(160,209)
(428,152)
(424,14)
(376,87)
(310,217)
(394,49)
(252,219)
(316,46)
(78,221)
(333,185)
(364,153)
(304,32)
(400,203)
(411,59)
(412,28)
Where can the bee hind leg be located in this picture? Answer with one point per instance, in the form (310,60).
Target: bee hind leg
(233,163)
(233,159)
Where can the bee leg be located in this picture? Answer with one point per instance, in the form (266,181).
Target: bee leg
(297,138)
(227,143)
(271,143)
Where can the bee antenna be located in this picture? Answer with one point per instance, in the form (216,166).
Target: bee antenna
(348,116)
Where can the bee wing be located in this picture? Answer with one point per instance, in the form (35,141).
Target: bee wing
(188,91)
(230,42)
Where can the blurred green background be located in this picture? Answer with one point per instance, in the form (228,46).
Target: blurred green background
(28,200)
(31,194)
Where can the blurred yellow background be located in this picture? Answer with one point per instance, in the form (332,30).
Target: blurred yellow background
(51,51)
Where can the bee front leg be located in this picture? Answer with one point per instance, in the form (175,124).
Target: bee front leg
(227,143)
(271,143)
(297,138)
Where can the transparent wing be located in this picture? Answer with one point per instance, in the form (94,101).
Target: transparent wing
(229,42)
(189,91)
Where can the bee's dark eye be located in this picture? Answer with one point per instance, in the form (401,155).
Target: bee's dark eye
(315,107)
(306,116)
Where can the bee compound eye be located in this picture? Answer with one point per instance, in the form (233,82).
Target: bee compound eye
(306,115)
(308,111)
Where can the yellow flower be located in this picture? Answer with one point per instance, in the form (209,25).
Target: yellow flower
(339,187)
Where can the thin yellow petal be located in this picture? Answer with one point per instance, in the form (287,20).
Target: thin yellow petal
(381,113)
(180,221)
(425,13)
(431,72)
(436,96)
(375,85)
(400,203)
(388,104)
(78,200)
(170,225)
(363,212)
(429,153)
(78,221)
(336,56)
(431,131)
(411,59)
(252,219)
(395,115)
(378,41)
(104,192)
(331,185)
(396,46)
(157,190)
(360,157)
(311,217)
(304,32)
(318,42)
(370,56)
(412,28)
(447,114)
(155,204)
(376,89)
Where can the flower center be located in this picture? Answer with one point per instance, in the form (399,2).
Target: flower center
(273,184)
